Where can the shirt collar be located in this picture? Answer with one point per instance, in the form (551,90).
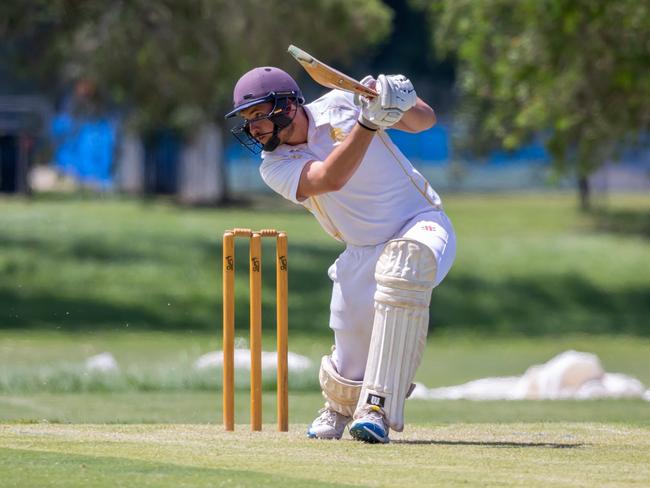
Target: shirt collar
(316,116)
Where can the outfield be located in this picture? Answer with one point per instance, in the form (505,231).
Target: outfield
(81,276)
(527,264)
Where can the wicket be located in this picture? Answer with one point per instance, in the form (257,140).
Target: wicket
(255,246)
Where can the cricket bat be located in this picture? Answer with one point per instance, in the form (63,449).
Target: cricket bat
(327,76)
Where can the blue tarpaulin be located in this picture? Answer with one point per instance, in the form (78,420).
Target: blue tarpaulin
(84,148)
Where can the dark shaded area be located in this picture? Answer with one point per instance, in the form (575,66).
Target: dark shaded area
(77,469)
(408,51)
(538,305)
(83,249)
(502,444)
(52,311)
(534,305)
(309,289)
(15,159)
(161,162)
(625,221)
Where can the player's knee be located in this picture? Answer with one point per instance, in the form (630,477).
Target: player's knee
(405,274)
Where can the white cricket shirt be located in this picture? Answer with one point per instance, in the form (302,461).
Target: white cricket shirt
(384,193)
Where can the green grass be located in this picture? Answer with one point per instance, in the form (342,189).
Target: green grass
(533,277)
(36,361)
(563,454)
(527,264)
(160,359)
(205,408)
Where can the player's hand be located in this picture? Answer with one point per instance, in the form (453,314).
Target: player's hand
(371,83)
(372,115)
(396,92)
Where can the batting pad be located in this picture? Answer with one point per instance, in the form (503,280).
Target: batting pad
(341,394)
(405,274)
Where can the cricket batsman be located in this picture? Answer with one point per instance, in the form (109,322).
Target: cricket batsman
(334,157)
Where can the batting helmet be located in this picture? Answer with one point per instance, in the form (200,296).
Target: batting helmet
(265,84)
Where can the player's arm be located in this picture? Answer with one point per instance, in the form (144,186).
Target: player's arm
(333,173)
(418,118)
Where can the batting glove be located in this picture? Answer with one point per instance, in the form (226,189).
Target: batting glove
(396,92)
(366,103)
(396,96)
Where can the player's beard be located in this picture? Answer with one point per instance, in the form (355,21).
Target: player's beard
(286,133)
(280,137)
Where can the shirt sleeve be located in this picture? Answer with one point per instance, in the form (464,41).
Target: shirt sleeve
(282,174)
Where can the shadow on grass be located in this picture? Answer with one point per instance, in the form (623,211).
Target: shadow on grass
(539,305)
(81,248)
(532,305)
(502,444)
(52,311)
(623,221)
(31,465)
(195,309)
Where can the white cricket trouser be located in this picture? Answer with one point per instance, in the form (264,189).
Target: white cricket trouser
(353,276)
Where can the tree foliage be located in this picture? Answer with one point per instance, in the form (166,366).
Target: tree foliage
(575,71)
(172,62)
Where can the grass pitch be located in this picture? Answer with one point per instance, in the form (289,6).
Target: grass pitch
(562,454)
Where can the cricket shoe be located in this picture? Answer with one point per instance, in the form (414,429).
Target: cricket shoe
(328,425)
(370,426)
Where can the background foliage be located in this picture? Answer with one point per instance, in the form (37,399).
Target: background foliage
(174,63)
(573,72)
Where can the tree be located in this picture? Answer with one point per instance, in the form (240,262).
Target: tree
(174,63)
(573,71)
